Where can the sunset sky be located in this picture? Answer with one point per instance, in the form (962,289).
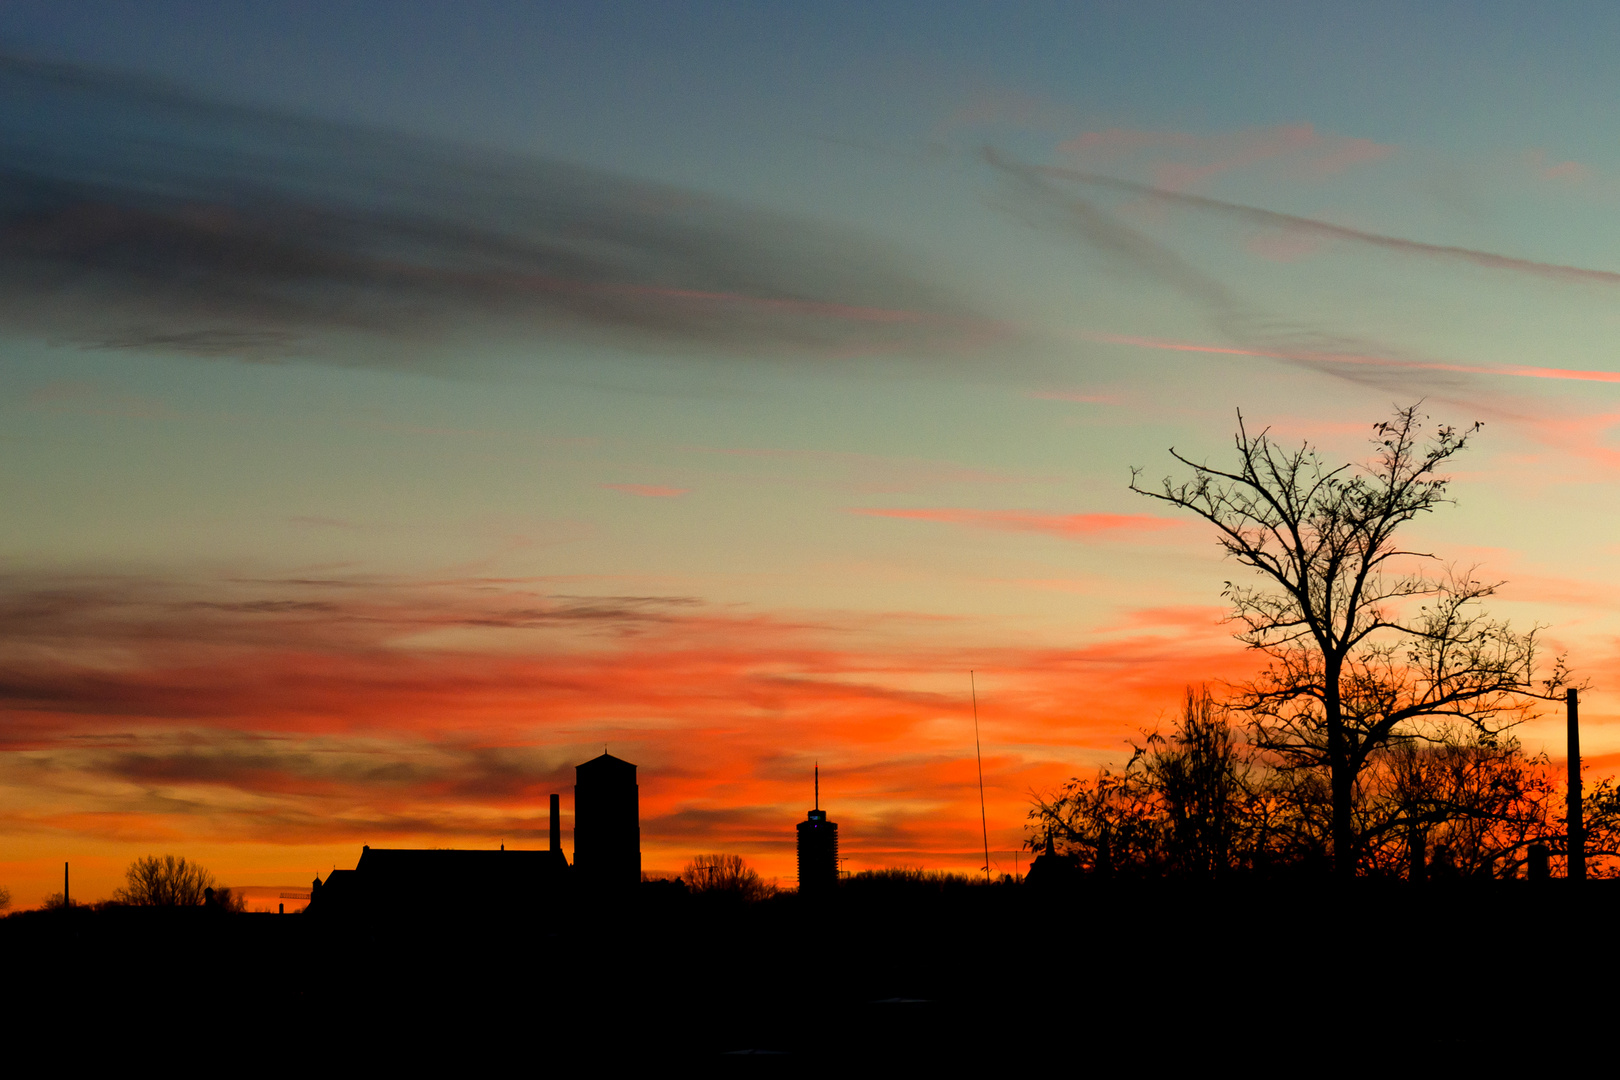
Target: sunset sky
(400,403)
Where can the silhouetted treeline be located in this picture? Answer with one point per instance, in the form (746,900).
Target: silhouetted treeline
(899,969)
(1204,803)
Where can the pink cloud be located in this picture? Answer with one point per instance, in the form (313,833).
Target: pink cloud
(651,491)
(1178,160)
(1516,370)
(1069,526)
(1283,245)
(1565,172)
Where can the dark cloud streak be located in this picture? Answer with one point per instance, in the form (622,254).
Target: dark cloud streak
(134,215)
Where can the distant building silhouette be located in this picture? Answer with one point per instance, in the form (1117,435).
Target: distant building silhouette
(607,823)
(513,882)
(607,855)
(818,849)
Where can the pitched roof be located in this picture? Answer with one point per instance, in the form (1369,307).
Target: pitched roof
(447,865)
(607,763)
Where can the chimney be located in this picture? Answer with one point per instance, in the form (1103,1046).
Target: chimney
(1577,827)
(556,823)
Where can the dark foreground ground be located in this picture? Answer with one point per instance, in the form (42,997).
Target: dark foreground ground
(1261,979)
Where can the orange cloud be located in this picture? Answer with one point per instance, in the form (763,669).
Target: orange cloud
(1069,526)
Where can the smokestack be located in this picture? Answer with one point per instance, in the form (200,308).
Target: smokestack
(556,823)
(1577,827)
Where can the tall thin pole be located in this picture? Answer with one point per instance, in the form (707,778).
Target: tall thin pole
(1577,826)
(818,785)
(978,751)
(65,900)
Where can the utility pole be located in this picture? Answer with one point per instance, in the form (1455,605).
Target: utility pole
(1577,826)
(65,900)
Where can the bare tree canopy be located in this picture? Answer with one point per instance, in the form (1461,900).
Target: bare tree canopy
(1369,644)
(165,881)
(726,875)
(1191,805)
(1203,804)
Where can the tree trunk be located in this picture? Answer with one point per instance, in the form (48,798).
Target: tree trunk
(1341,781)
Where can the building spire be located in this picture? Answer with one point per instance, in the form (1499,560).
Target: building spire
(818,785)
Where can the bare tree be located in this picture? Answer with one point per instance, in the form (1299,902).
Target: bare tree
(1187,805)
(1203,780)
(5,898)
(1109,825)
(1470,805)
(726,875)
(226,900)
(1366,642)
(164,881)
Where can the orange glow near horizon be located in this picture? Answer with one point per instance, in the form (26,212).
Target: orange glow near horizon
(445,717)
(270,739)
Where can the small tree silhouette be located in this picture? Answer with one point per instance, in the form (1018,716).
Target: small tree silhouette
(1184,806)
(164,881)
(726,875)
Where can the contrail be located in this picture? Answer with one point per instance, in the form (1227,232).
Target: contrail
(1315,226)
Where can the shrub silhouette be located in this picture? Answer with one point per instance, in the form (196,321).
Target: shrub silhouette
(906,881)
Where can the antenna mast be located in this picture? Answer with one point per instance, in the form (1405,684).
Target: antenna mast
(984,826)
(818,785)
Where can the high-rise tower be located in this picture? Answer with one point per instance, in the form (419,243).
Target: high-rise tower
(818,849)
(607,823)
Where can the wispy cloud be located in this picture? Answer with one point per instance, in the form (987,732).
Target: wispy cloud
(1327,358)
(89,399)
(136,215)
(1068,526)
(873,473)
(1325,229)
(1076,396)
(651,491)
(1543,167)
(1179,159)
(1060,202)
